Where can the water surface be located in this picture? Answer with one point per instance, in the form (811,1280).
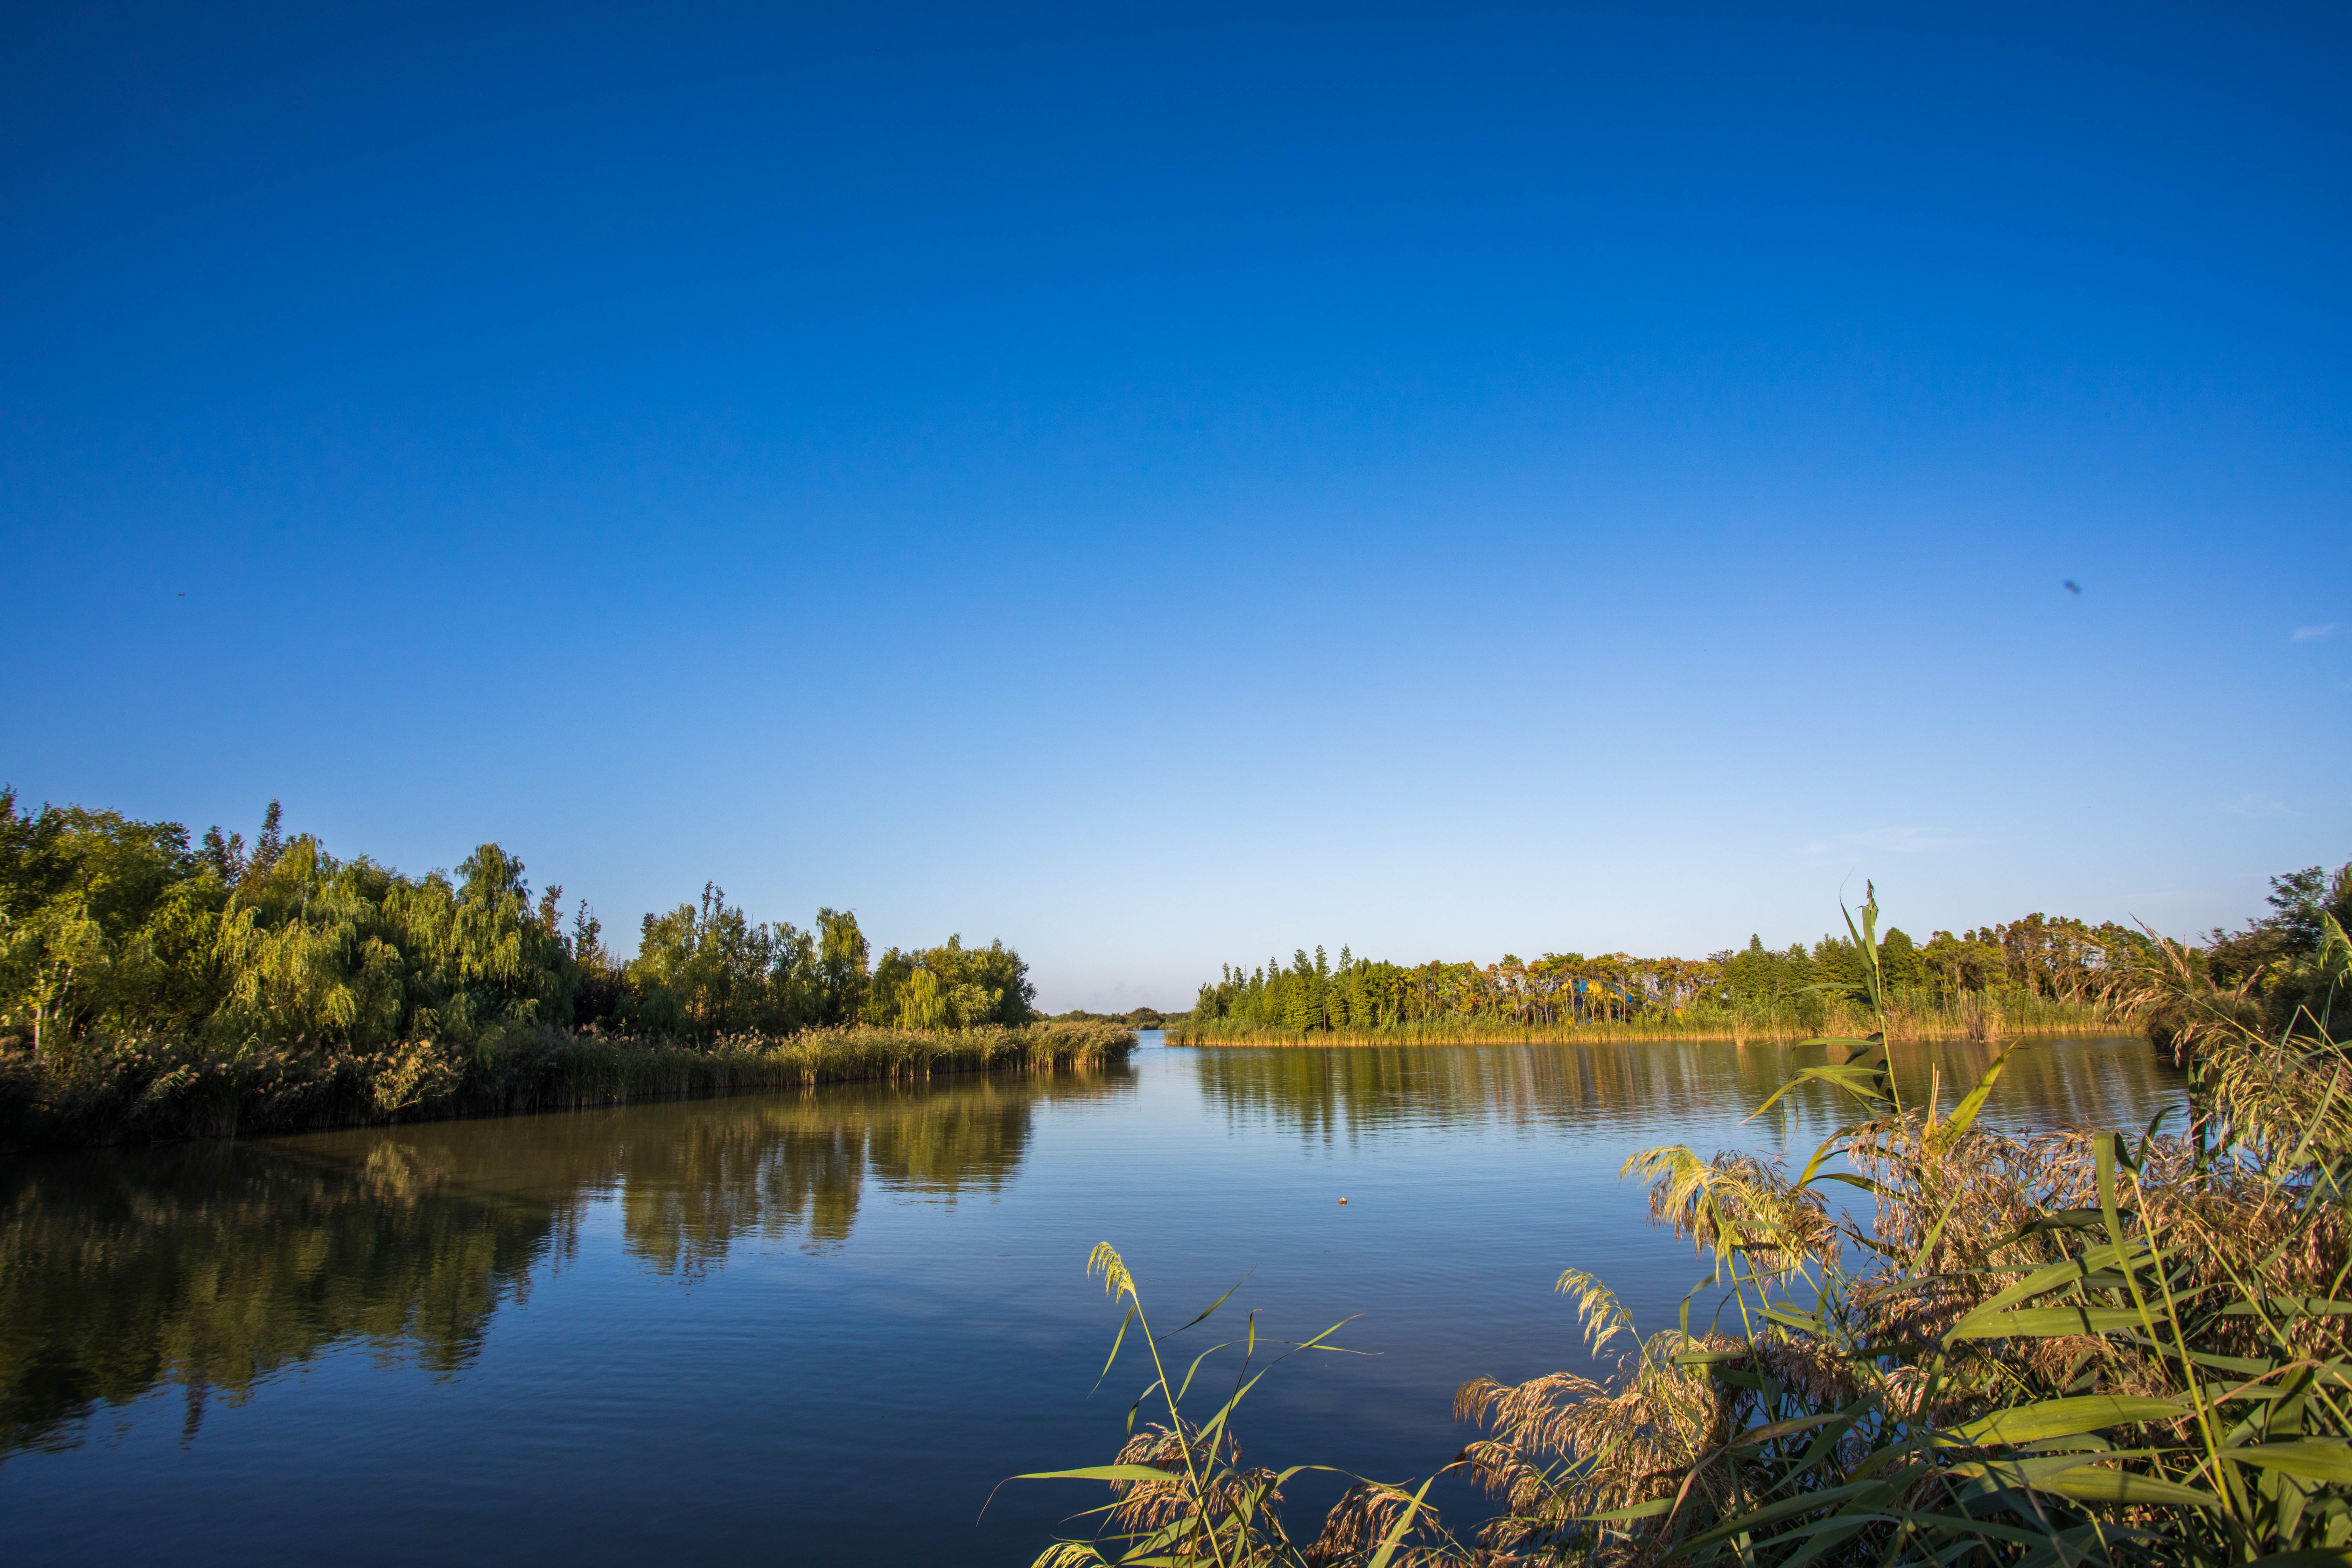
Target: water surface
(819,1326)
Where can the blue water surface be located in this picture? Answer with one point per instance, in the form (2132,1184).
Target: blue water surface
(823,1326)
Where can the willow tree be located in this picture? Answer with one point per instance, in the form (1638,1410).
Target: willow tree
(104,922)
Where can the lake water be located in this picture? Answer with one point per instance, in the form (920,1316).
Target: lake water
(819,1327)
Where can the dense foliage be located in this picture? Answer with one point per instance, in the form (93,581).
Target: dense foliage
(2277,964)
(124,929)
(2039,958)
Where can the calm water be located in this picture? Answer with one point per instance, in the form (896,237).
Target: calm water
(819,1327)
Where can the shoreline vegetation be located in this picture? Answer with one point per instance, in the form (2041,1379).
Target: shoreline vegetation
(105,1092)
(1937,1344)
(1970,1020)
(153,986)
(2043,975)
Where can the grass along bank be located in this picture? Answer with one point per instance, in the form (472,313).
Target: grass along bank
(99,1091)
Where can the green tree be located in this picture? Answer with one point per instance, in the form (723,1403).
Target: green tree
(104,922)
(841,966)
(951,987)
(1900,963)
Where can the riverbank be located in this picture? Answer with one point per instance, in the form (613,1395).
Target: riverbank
(108,1092)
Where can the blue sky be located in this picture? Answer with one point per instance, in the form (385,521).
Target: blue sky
(1172,485)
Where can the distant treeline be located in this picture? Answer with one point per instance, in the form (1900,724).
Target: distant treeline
(2042,966)
(125,929)
(1137,1018)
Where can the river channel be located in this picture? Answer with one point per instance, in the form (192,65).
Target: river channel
(820,1326)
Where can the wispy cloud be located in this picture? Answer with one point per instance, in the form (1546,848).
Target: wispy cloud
(2260,806)
(2305,634)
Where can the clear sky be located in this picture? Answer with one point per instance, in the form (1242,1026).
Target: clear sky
(1165,485)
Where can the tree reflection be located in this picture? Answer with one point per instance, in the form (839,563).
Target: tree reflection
(1350,1091)
(213,1266)
(725,1172)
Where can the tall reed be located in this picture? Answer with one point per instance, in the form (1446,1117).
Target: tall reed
(112,1091)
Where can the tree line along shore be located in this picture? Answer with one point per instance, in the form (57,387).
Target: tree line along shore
(153,985)
(2043,975)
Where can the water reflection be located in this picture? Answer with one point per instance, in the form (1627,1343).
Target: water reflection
(722,1172)
(1344,1093)
(213,1266)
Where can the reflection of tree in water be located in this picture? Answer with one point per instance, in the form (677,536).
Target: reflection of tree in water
(709,1184)
(1655,1087)
(212,1266)
(723,1172)
(1346,1091)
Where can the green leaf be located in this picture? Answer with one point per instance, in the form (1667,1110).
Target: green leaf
(1638,1510)
(2008,1474)
(2237,1365)
(2052,1276)
(1967,1111)
(2289,1305)
(2045,1323)
(1133,1311)
(2091,1484)
(1861,1082)
(1827,1535)
(1757,1519)
(1209,1310)
(1829,1145)
(2312,1460)
(1960,1525)
(2065,1418)
(1757,1436)
(1101,1473)
(1397,1531)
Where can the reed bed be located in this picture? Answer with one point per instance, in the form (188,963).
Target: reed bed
(2059,1349)
(105,1091)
